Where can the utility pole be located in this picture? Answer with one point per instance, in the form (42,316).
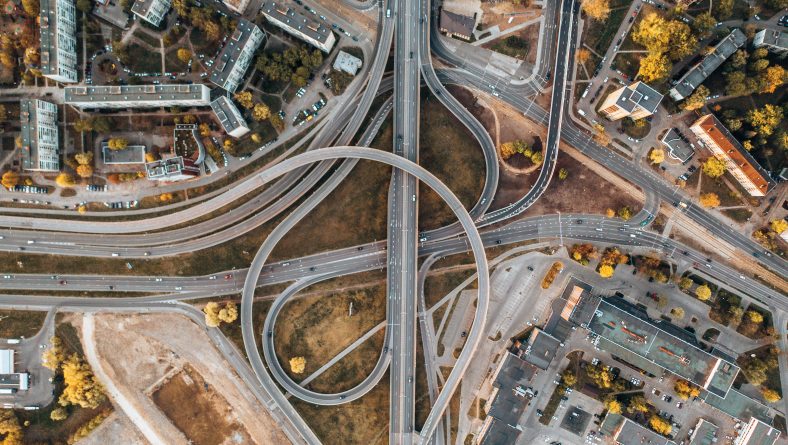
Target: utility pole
(560,231)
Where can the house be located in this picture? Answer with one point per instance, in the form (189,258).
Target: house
(635,101)
(626,432)
(757,433)
(229,117)
(511,395)
(744,168)
(678,147)
(347,63)
(456,25)
(132,154)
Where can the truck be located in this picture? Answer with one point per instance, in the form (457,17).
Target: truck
(13,341)
(7,391)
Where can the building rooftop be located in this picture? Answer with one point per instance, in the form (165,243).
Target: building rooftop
(297,21)
(773,37)
(510,402)
(347,62)
(540,349)
(678,147)
(699,72)
(127,93)
(228,114)
(48,36)
(227,58)
(662,343)
(141,7)
(725,140)
(133,154)
(758,433)
(640,95)
(627,432)
(499,433)
(456,23)
(705,433)
(738,405)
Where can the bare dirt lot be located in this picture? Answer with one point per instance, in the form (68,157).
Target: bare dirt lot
(139,353)
(499,13)
(198,410)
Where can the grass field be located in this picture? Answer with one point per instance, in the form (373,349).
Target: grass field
(173,63)
(15,324)
(318,328)
(728,197)
(351,369)
(438,285)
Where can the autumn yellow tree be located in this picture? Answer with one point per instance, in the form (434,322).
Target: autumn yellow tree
(610,213)
(10,179)
(229,313)
(58,414)
(709,200)
(205,130)
(507,150)
(703,292)
(261,112)
(598,10)
(677,312)
(84,158)
(770,395)
(10,429)
(625,213)
(685,389)
(211,311)
(600,135)
(54,355)
(606,271)
(654,67)
(150,157)
(713,168)
(245,99)
(755,317)
(582,55)
(778,226)
(297,365)
(184,55)
(660,425)
(117,143)
(84,171)
(613,406)
(656,155)
(638,404)
(165,197)
(65,180)
(81,386)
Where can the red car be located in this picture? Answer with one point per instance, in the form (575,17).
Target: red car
(229,276)
(63,282)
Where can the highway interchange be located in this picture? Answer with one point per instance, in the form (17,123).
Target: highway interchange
(416,39)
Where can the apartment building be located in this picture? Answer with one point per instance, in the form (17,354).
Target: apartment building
(635,101)
(757,433)
(138,96)
(727,149)
(773,40)
(229,117)
(152,11)
(304,28)
(695,76)
(234,59)
(39,150)
(58,39)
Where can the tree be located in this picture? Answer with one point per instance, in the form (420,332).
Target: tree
(297,365)
(735,314)
(10,179)
(261,112)
(677,312)
(229,313)
(625,213)
(771,78)
(755,317)
(685,389)
(770,395)
(697,99)
(84,158)
(778,226)
(759,65)
(765,120)
(54,356)
(65,180)
(117,143)
(582,55)
(656,155)
(601,137)
(84,170)
(211,311)
(606,271)
(610,213)
(563,174)
(713,167)
(598,10)
(613,406)
(734,83)
(102,125)
(654,67)
(703,24)
(10,428)
(756,371)
(685,283)
(703,292)
(568,378)
(58,414)
(83,125)
(205,130)
(31,7)
(184,55)
(277,122)
(537,158)
(245,99)
(709,200)
(601,378)
(660,425)
(638,404)
(661,36)
(81,386)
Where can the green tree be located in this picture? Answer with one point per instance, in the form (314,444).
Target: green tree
(735,314)
(83,125)
(625,213)
(738,60)
(685,283)
(85,6)
(723,9)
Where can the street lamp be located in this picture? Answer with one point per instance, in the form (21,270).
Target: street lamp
(560,231)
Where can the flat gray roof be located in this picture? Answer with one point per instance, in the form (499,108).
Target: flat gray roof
(130,93)
(774,38)
(305,25)
(705,433)
(228,57)
(511,381)
(679,148)
(698,73)
(541,348)
(141,7)
(227,113)
(133,154)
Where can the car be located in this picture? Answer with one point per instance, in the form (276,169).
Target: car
(463,334)
(539,413)
(158,279)
(631,19)
(579,221)
(497,241)
(530,268)
(212,277)
(63,282)
(7,277)
(178,287)
(229,276)
(679,405)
